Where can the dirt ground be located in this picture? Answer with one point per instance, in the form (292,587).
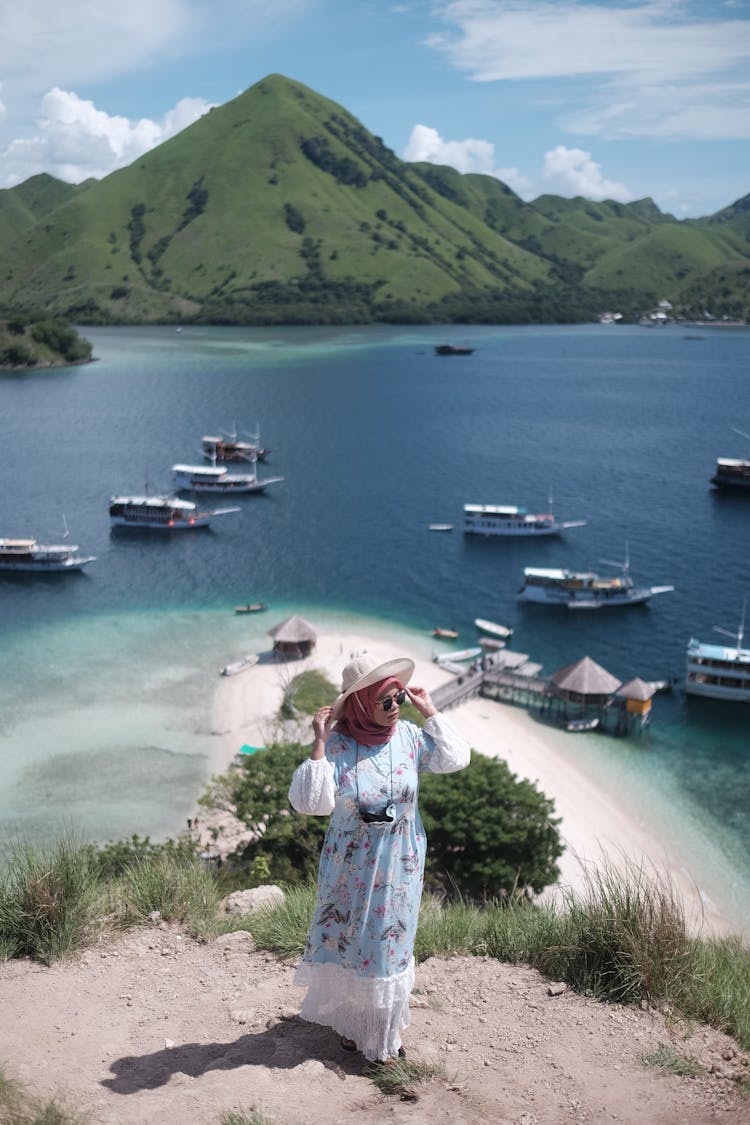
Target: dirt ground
(153,1028)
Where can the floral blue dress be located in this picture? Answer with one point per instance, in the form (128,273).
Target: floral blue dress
(358,963)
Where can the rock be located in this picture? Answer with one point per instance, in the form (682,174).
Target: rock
(557,989)
(257,898)
(241,940)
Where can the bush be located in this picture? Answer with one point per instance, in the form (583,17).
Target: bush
(50,900)
(488,833)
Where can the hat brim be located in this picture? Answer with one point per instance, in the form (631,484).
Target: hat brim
(401,669)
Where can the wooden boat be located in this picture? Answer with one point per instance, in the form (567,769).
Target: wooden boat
(452,349)
(252,607)
(215,478)
(27,555)
(509,520)
(450,634)
(458,656)
(160,513)
(240,665)
(582,724)
(492,628)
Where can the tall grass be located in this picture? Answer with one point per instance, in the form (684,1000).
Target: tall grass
(624,938)
(180,889)
(51,900)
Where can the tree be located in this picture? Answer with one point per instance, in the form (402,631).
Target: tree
(488,833)
(259,794)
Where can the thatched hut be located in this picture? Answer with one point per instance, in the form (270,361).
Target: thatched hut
(637,694)
(294,638)
(584,681)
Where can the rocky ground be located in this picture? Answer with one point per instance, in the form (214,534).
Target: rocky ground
(154,1028)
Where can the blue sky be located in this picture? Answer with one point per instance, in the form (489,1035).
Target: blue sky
(609,99)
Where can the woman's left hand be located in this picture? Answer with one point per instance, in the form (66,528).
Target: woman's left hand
(420,697)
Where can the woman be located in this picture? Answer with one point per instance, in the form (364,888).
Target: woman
(358,962)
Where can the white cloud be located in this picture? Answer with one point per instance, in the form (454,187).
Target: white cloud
(618,49)
(565,171)
(75,140)
(571,171)
(470,155)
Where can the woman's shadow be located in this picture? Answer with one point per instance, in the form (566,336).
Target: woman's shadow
(287,1044)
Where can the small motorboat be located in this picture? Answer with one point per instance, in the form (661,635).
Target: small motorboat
(582,724)
(449,634)
(458,656)
(440,527)
(252,607)
(240,665)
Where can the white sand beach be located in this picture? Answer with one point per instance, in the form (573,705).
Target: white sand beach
(596,825)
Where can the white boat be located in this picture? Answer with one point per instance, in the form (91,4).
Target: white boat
(584,589)
(440,527)
(492,628)
(28,555)
(240,665)
(215,478)
(732,472)
(582,724)
(160,513)
(499,520)
(458,656)
(719,671)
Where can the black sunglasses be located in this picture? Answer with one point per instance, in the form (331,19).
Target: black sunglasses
(389,700)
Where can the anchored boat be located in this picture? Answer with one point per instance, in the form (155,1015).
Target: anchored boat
(494,519)
(719,671)
(30,556)
(585,589)
(160,513)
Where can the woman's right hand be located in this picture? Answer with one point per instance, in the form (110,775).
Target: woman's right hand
(322,722)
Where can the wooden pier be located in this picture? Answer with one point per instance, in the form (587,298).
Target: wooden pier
(565,697)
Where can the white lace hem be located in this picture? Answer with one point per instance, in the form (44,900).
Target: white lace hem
(373,1011)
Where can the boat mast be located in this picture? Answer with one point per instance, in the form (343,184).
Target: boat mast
(739,635)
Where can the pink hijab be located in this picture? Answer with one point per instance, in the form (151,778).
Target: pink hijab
(357,714)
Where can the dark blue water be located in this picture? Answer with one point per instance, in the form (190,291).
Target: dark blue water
(376,437)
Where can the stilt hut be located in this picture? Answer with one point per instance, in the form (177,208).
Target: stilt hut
(293,639)
(584,689)
(636,695)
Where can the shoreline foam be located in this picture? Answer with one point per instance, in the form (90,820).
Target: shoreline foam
(596,826)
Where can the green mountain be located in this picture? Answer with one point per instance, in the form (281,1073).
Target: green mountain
(281,207)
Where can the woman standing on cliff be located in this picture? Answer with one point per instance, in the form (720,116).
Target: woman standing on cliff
(364,770)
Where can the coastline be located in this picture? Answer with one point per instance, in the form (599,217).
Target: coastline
(596,827)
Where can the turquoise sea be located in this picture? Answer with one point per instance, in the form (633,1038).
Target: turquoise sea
(106,677)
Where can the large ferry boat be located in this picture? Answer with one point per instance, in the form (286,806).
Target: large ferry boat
(29,555)
(215,478)
(719,671)
(731,472)
(492,519)
(160,513)
(583,589)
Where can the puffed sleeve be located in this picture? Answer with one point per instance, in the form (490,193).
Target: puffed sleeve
(312,790)
(445,751)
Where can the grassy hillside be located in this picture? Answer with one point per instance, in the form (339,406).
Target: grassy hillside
(280,206)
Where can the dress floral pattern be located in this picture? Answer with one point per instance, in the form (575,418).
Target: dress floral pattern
(358,961)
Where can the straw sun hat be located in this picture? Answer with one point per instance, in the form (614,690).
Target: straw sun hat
(365,670)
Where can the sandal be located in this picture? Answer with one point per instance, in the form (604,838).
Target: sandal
(348,1045)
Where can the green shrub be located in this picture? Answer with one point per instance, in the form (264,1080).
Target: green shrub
(180,890)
